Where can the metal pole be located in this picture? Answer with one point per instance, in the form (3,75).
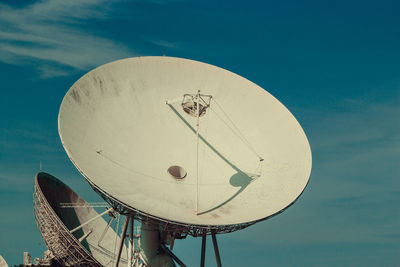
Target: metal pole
(197,151)
(130,256)
(85,236)
(121,245)
(116,237)
(214,239)
(203,250)
(94,218)
(172,255)
(105,231)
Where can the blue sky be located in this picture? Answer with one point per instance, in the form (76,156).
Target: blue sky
(334,64)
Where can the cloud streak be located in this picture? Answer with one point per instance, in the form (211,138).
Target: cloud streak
(54,36)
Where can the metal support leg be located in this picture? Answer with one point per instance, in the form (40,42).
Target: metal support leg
(121,245)
(214,239)
(130,255)
(172,255)
(203,250)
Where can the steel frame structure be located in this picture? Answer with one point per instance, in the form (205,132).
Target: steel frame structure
(177,229)
(67,250)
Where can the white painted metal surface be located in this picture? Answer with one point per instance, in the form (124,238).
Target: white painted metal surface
(123,127)
(74,233)
(3,263)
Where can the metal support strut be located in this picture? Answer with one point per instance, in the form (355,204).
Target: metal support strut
(214,239)
(130,255)
(91,220)
(197,150)
(203,250)
(121,245)
(172,255)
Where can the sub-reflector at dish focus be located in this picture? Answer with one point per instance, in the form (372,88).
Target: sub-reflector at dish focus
(183,142)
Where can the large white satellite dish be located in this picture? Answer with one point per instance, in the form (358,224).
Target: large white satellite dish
(185,143)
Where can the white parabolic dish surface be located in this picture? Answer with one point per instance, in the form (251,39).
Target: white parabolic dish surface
(123,126)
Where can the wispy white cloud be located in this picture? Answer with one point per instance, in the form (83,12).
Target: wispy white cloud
(52,35)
